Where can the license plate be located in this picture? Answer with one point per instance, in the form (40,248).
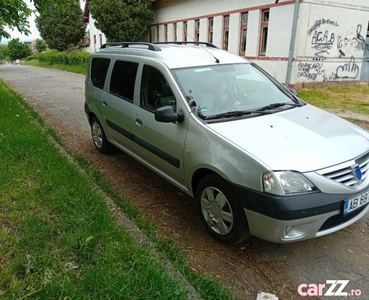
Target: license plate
(355,203)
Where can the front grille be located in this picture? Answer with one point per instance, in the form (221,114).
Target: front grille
(346,175)
(340,219)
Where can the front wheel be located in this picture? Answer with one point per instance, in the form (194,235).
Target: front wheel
(221,211)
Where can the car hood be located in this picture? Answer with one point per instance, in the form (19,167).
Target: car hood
(302,139)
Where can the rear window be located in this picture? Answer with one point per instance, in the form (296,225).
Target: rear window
(122,82)
(99,69)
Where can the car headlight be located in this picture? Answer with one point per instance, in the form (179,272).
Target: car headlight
(287,183)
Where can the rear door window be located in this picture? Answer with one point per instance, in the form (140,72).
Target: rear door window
(123,78)
(99,69)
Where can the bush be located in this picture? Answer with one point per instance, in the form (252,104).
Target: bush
(64,58)
(58,58)
(78,58)
(32,57)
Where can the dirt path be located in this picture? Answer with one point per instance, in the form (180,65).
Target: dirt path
(247,268)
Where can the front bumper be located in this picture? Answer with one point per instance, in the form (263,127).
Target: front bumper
(282,231)
(295,218)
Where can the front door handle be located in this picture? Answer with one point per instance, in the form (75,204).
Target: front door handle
(105,103)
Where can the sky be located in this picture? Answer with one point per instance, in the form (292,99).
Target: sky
(32,27)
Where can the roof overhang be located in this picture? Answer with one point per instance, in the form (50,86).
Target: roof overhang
(86,12)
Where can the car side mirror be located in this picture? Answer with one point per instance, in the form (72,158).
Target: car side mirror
(294,92)
(166,114)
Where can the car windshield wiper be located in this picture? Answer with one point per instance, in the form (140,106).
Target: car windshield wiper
(276,105)
(234,114)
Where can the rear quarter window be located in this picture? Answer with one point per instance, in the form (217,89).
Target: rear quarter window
(99,69)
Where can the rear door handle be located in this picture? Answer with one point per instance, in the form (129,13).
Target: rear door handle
(139,121)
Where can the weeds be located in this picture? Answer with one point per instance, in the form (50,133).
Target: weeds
(355,98)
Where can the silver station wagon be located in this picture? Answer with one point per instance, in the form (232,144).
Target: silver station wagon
(258,159)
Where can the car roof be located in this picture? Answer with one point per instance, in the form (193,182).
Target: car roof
(175,55)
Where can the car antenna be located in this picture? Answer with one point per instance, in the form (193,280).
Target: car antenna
(201,44)
(216,59)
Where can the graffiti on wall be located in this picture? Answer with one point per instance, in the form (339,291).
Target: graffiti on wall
(322,42)
(330,41)
(320,22)
(310,70)
(316,70)
(353,43)
(323,39)
(348,70)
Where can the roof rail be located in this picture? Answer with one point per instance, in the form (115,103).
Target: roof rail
(184,43)
(150,46)
(154,46)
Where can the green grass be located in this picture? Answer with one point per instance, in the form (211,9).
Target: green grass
(57,238)
(79,69)
(353,98)
(208,288)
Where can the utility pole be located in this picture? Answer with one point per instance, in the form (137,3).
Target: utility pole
(292,43)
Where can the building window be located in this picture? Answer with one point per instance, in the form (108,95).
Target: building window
(225,32)
(166,33)
(175,31)
(244,22)
(185,31)
(367,32)
(264,31)
(197,30)
(100,39)
(211,25)
(157,33)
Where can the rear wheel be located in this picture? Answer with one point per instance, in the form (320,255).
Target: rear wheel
(221,211)
(99,137)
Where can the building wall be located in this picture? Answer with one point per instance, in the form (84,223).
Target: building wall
(330,39)
(97,38)
(281,14)
(364,76)
(331,42)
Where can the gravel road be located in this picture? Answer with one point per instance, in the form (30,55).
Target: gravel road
(247,268)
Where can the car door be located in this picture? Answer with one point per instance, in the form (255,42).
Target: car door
(118,107)
(161,145)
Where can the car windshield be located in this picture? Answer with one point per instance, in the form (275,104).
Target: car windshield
(233,90)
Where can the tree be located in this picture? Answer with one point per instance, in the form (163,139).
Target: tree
(17,50)
(40,45)
(3,51)
(123,20)
(14,14)
(61,28)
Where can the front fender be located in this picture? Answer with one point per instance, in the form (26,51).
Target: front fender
(206,152)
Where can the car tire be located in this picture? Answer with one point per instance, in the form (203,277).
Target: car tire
(221,211)
(99,138)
